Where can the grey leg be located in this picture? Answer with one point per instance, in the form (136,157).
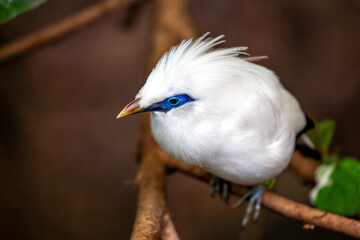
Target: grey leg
(220,186)
(254,205)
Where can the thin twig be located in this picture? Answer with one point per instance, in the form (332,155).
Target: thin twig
(169,231)
(62,28)
(281,205)
(171,25)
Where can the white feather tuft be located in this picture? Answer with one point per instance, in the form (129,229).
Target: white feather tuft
(200,51)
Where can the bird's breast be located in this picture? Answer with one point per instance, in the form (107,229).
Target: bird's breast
(180,139)
(237,155)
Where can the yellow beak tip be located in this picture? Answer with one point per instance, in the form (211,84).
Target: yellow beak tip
(132,108)
(119,115)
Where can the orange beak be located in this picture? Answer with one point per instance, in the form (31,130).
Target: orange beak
(130,109)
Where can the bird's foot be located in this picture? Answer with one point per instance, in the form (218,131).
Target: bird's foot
(220,186)
(255,196)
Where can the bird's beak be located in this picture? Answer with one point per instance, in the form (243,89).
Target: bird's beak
(130,109)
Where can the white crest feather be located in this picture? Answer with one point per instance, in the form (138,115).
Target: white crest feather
(200,51)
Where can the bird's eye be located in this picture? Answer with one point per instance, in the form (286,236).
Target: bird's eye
(173,101)
(169,103)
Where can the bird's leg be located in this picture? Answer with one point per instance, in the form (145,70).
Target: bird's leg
(255,196)
(221,186)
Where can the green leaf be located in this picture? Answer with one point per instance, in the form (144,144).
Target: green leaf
(338,187)
(11,8)
(322,135)
(270,183)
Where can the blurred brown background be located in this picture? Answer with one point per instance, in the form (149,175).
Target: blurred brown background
(66,164)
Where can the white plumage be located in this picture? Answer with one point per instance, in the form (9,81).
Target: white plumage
(243,123)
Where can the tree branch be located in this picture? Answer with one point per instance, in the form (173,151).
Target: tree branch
(171,24)
(281,205)
(151,200)
(304,166)
(61,28)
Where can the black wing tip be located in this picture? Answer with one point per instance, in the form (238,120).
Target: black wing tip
(305,150)
(310,124)
(308,152)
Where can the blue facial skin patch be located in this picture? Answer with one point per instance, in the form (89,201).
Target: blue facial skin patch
(169,103)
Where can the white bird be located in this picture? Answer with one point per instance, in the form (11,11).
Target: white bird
(222,113)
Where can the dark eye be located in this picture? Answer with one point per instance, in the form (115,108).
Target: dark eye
(173,101)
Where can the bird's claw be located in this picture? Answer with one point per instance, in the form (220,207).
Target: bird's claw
(254,205)
(220,186)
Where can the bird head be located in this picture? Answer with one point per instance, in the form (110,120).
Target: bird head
(189,74)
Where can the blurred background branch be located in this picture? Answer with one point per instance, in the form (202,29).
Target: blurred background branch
(62,28)
(304,166)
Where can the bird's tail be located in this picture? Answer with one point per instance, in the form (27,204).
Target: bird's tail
(305,140)
(304,144)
